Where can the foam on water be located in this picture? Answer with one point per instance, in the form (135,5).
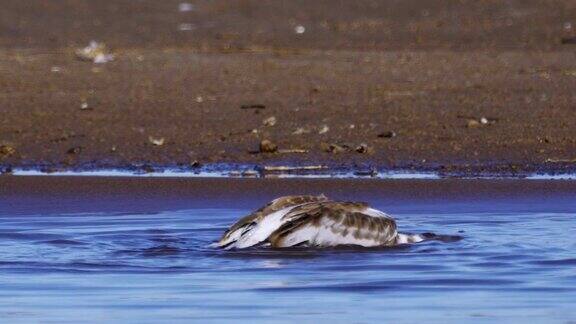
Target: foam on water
(175,173)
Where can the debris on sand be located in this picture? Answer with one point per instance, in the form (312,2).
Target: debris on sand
(299,29)
(269,122)
(186,27)
(185,7)
(549,160)
(195,164)
(95,52)
(342,148)
(363,148)
(246,174)
(543,139)
(6,150)
(324,129)
(288,169)
(157,141)
(250,174)
(253,106)
(473,122)
(568,41)
(74,150)
(288,151)
(84,106)
(387,134)
(300,131)
(334,148)
(267,146)
(366,173)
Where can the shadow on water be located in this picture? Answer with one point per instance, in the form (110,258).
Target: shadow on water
(318,252)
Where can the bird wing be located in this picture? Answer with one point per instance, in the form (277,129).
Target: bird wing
(263,221)
(335,223)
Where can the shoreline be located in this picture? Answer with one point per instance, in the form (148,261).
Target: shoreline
(230,170)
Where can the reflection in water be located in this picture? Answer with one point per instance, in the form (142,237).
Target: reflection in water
(510,266)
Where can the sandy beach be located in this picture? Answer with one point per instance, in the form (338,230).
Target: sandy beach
(465,87)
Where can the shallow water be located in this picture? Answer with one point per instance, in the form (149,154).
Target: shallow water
(78,260)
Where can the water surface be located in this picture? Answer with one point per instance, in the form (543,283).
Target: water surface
(112,260)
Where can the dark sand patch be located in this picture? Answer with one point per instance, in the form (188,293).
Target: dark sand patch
(240,189)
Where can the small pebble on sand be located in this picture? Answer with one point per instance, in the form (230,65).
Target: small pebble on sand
(6,150)
(74,150)
(300,131)
(185,27)
(334,148)
(156,141)
(95,52)
(266,146)
(185,7)
(473,123)
(269,122)
(387,134)
(363,148)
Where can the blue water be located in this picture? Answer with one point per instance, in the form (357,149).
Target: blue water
(66,261)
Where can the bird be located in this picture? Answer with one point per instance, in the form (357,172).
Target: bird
(315,221)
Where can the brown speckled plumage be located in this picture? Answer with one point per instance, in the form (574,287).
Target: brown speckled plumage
(314,221)
(346,219)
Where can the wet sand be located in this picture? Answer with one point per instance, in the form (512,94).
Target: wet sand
(411,81)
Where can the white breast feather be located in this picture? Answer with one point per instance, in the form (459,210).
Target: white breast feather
(233,236)
(262,230)
(376,213)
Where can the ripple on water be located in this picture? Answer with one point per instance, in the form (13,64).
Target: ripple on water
(554,263)
(161,260)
